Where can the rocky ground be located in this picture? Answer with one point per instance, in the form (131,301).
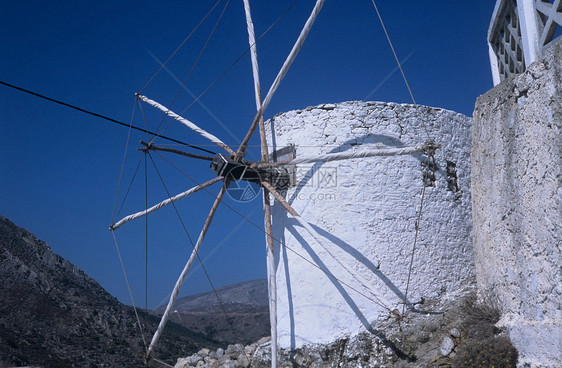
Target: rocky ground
(457,332)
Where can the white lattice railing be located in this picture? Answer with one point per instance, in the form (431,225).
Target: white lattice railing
(519,32)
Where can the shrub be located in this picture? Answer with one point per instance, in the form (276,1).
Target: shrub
(493,352)
(483,347)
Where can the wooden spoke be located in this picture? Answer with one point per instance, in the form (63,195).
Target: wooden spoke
(152,147)
(270,258)
(165,202)
(187,123)
(284,69)
(185,270)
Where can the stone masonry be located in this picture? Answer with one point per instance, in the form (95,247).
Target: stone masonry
(517,206)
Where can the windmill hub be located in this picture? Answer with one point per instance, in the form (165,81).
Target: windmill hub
(246,170)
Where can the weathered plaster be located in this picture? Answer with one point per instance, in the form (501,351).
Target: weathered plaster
(366,210)
(517,206)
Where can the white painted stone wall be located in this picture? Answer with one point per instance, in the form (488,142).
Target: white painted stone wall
(365,210)
(517,204)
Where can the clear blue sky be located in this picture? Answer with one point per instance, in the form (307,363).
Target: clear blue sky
(60,168)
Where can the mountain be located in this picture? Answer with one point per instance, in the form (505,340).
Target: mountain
(54,315)
(252,294)
(243,316)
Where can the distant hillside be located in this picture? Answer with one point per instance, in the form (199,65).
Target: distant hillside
(53,315)
(245,318)
(249,293)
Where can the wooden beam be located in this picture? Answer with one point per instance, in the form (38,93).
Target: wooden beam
(152,147)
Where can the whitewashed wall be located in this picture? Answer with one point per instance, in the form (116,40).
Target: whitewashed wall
(517,193)
(366,211)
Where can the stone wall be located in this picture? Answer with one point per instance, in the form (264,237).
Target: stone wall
(517,206)
(366,211)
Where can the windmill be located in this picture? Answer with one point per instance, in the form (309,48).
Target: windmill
(232,166)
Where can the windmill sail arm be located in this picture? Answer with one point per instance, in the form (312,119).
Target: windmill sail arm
(152,147)
(187,123)
(184,272)
(286,65)
(165,202)
(293,54)
(346,156)
(253,53)
(358,154)
(271,277)
(271,274)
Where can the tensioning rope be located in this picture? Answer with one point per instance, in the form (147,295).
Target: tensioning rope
(234,62)
(126,193)
(209,255)
(199,102)
(143,118)
(417,227)
(181,45)
(190,240)
(104,117)
(420,212)
(194,63)
(223,73)
(123,166)
(399,65)
(113,218)
(129,289)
